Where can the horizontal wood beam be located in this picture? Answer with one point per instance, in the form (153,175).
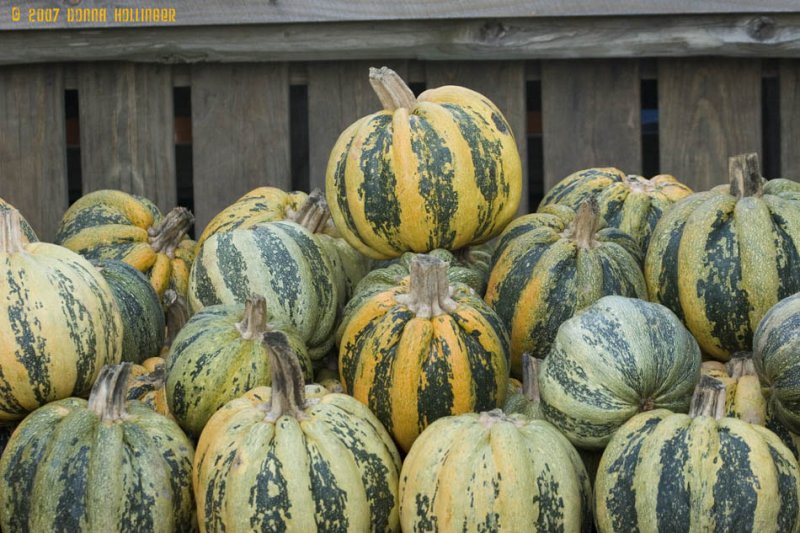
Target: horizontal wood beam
(523,38)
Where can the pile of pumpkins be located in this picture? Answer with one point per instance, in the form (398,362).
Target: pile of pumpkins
(401,352)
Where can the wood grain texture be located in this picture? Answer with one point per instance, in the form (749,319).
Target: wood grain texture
(128,130)
(240,132)
(338,94)
(776,35)
(790,118)
(709,110)
(33,147)
(590,116)
(208,12)
(503,82)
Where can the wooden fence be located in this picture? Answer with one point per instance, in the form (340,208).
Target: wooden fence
(93,106)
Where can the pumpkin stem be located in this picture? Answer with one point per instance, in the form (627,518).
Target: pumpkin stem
(167,236)
(314,214)
(489,418)
(177,315)
(709,398)
(745,176)
(530,377)
(392,91)
(740,364)
(109,392)
(11,239)
(429,288)
(145,383)
(586,223)
(288,387)
(254,323)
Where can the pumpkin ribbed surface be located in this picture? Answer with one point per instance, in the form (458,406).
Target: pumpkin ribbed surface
(618,357)
(422,350)
(281,261)
(438,171)
(633,204)
(27,231)
(720,259)
(492,472)
(103,465)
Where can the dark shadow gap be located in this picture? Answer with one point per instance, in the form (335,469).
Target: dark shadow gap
(770,128)
(182,104)
(533,108)
(649,118)
(298,137)
(73,127)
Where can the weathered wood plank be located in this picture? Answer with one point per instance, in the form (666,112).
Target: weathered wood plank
(709,110)
(240,132)
(590,117)
(338,94)
(776,35)
(33,147)
(128,129)
(503,82)
(790,118)
(39,14)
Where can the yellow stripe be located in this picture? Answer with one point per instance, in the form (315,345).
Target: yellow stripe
(413,348)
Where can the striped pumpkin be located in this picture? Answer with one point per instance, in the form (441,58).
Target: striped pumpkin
(111,224)
(438,171)
(59,323)
(720,259)
(776,355)
(494,472)
(147,383)
(633,204)
(550,265)
(218,356)
(102,465)
(295,458)
(744,397)
(27,231)
(143,319)
(283,262)
(789,438)
(527,400)
(618,357)
(698,472)
(422,350)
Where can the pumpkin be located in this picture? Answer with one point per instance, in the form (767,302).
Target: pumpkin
(147,383)
(494,472)
(283,262)
(744,398)
(295,457)
(550,265)
(789,438)
(422,350)
(143,319)
(218,356)
(634,204)
(28,235)
(527,401)
(664,471)
(112,224)
(776,356)
(616,358)
(101,465)
(720,259)
(59,323)
(438,171)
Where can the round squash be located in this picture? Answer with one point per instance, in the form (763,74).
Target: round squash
(550,265)
(720,259)
(698,472)
(633,204)
(745,400)
(438,171)
(295,457)
(618,357)
(494,472)
(101,465)
(143,321)
(59,322)
(422,350)
(28,235)
(112,224)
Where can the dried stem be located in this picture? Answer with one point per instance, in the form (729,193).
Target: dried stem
(11,237)
(586,223)
(392,91)
(166,237)
(109,392)
(254,323)
(745,176)
(709,398)
(429,291)
(288,387)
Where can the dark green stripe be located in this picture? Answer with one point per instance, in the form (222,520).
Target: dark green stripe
(435,399)
(735,497)
(673,503)
(330,501)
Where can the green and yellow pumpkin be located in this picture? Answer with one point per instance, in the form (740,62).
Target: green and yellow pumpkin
(440,170)
(494,472)
(634,204)
(552,264)
(668,472)
(102,465)
(616,358)
(28,234)
(147,383)
(59,322)
(720,259)
(422,350)
(110,224)
(745,399)
(143,321)
(219,355)
(295,457)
